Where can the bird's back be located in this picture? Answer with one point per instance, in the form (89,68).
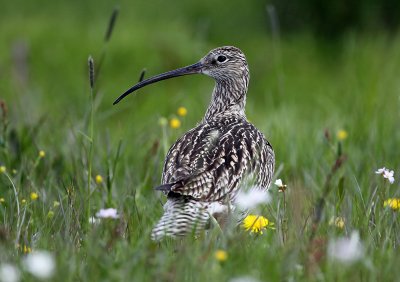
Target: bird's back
(210,161)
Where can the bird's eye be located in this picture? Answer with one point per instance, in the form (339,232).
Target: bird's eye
(221,59)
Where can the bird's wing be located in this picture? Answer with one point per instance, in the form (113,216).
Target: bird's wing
(211,160)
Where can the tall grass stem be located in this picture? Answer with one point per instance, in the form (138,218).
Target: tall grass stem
(91,134)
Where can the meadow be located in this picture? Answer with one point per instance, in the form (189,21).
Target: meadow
(329,108)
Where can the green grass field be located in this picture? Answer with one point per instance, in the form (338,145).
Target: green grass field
(302,93)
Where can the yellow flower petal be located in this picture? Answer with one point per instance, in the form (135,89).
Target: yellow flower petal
(34,196)
(175,123)
(99,179)
(221,255)
(342,135)
(256,223)
(182,111)
(42,154)
(393,203)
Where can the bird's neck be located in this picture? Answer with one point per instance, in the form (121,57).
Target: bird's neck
(228,98)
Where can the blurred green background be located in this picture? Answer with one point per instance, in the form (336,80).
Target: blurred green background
(316,68)
(313,66)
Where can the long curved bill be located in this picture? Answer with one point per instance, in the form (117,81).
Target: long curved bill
(192,69)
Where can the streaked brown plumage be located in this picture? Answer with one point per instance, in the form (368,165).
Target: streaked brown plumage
(205,168)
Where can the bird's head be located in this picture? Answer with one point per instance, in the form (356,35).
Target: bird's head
(226,63)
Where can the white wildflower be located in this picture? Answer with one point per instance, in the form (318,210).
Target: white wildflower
(386,173)
(346,250)
(107,213)
(279,183)
(9,273)
(252,198)
(40,264)
(389,175)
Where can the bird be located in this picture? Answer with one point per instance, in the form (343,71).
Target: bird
(206,168)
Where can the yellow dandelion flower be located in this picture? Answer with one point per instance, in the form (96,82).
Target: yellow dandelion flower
(50,214)
(2,200)
(221,255)
(256,223)
(174,123)
(99,179)
(42,154)
(182,111)
(342,135)
(34,196)
(3,169)
(393,203)
(23,201)
(56,204)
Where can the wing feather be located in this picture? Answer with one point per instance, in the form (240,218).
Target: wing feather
(211,160)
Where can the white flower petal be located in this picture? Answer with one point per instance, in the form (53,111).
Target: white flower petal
(346,250)
(9,273)
(107,213)
(380,170)
(252,198)
(40,264)
(389,175)
(279,183)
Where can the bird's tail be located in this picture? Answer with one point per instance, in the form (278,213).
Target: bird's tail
(182,216)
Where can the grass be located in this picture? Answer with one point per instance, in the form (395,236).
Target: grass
(299,100)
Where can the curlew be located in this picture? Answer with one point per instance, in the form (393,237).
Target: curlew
(207,166)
